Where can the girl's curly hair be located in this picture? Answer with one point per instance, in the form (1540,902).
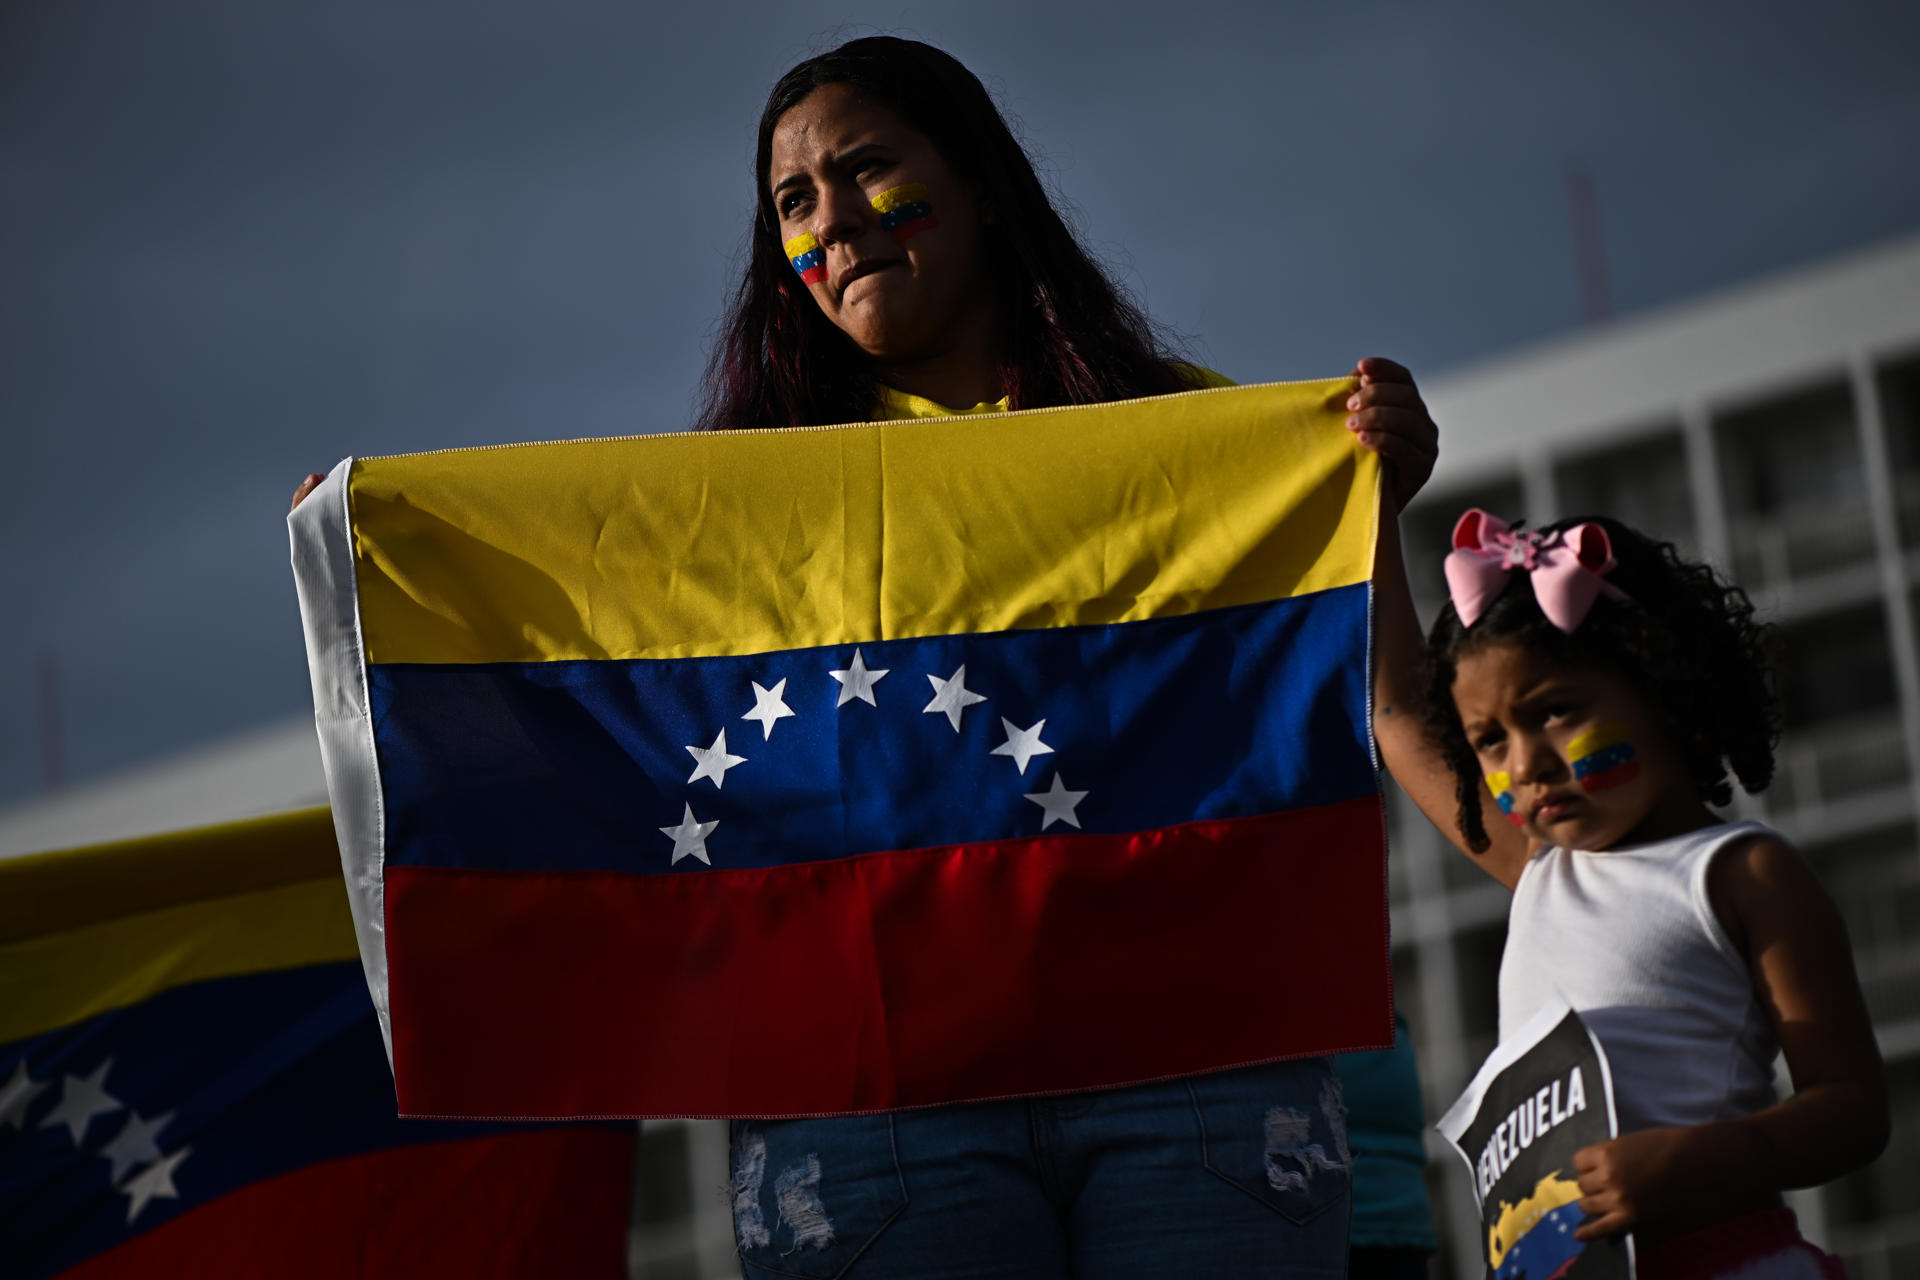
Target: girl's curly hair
(1686,639)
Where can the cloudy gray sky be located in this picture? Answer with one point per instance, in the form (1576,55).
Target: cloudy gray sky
(239,241)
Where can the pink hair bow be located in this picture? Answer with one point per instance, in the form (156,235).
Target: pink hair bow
(1566,567)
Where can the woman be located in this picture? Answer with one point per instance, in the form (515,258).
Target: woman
(906,262)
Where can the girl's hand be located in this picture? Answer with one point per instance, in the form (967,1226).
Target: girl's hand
(306,487)
(1635,1179)
(1388,416)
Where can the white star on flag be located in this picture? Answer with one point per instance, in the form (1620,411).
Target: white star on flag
(134,1144)
(1058,802)
(690,838)
(713,762)
(952,696)
(17,1094)
(1022,744)
(769,705)
(80,1101)
(153,1182)
(857,682)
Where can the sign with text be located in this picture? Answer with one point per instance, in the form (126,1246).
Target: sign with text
(1540,1097)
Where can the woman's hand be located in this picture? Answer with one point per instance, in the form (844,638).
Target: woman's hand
(1388,416)
(307,486)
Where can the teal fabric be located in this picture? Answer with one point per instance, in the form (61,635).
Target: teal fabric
(1385,1121)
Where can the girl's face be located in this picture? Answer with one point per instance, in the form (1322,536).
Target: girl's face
(1573,756)
(885,236)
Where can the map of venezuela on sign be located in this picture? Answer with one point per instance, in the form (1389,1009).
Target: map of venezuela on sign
(853,768)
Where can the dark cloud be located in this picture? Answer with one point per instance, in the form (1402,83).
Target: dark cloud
(242,240)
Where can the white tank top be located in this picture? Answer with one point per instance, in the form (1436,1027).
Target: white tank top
(1628,937)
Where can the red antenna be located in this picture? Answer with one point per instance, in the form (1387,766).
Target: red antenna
(1587,246)
(53,753)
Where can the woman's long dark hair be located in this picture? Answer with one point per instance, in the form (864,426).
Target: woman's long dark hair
(1068,334)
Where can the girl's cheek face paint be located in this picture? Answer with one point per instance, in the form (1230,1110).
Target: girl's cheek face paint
(1603,759)
(905,211)
(1501,784)
(807,257)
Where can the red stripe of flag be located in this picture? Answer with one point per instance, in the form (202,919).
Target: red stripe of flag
(532,1204)
(891,979)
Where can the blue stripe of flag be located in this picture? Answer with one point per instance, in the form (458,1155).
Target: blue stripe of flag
(1603,760)
(264,1073)
(579,765)
(902,214)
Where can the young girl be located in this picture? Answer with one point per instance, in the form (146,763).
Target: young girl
(1590,690)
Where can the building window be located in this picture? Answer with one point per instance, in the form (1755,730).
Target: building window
(1406,991)
(1874,1214)
(1643,484)
(1476,959)
(1874,878)
(663,1203)
(1900,409)
(1842,711)
(1796,488)
(1407,833)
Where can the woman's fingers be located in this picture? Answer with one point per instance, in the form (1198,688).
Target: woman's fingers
(1404,439)
(1387,415)
(1403,394)
(1381,369)
(307,486)
(1412,424)
(1396,448)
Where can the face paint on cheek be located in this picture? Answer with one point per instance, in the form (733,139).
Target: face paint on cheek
(904,211)
(1603,759)
(807,257)
(1502,787)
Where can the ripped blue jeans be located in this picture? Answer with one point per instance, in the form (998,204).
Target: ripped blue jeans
(1238,1173)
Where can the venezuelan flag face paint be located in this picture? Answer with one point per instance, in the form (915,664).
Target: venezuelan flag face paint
(807,257)
(905,211)
(1502,787)
(1603,759)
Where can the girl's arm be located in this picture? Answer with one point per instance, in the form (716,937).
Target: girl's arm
(1663,1181)
(1389,417)
(1411,756)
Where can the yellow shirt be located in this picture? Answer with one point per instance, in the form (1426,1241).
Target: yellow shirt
(891,405)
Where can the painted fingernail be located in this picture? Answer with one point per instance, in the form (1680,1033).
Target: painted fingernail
(1353,422)
(1353,402)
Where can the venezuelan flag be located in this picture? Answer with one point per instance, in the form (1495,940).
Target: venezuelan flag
(856,768)
(1603,759)
(905,211)
(192,1083)
(807,257)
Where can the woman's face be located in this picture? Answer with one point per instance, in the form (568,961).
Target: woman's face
(884,234)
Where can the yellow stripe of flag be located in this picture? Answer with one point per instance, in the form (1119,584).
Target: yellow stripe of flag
(86,931)
(1046,518)
(1598,739)
(893,197)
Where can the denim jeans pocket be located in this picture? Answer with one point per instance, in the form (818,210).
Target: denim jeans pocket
(1278,1133)
(809,1196)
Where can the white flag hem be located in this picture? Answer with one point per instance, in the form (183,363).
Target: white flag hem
(321,531)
